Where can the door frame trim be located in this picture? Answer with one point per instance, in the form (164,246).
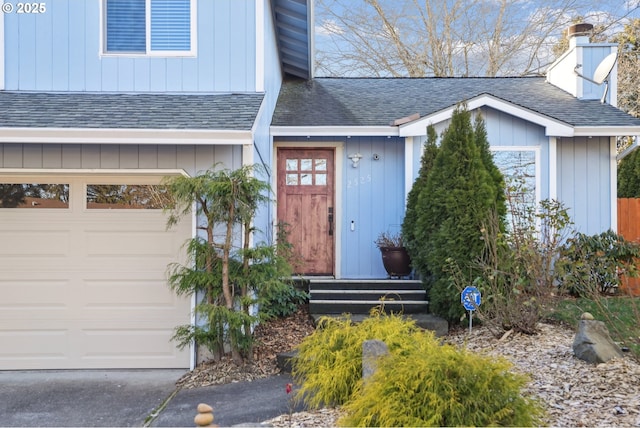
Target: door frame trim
(338,147)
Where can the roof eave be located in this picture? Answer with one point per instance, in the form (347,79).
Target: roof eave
(606,131)
(334,131)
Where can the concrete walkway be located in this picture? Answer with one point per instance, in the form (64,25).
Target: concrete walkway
(117,398)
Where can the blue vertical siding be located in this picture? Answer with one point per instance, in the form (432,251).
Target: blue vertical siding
(263,151)
(592,55)
(60,51)
(584,182)
(373,198)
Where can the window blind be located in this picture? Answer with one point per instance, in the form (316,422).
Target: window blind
(170,25)
(126,26)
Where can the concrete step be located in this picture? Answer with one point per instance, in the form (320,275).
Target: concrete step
(364,284)
(365,306)
(318,295)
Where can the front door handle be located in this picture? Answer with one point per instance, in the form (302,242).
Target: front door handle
(330,218)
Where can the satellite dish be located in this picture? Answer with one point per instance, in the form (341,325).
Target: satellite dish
(601,75)
(604,68)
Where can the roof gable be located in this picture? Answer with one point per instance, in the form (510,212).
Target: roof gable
(552,126)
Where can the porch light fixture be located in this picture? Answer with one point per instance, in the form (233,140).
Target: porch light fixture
(355,159)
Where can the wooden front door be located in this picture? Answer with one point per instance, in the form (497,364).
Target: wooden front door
(306,205)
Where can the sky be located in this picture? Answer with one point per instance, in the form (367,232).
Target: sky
(334,17)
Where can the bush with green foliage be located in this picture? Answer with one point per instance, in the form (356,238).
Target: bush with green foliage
(432,386)
(592,264)
(328,364)
(516,275)
(629,176)
(411,242)
(420,383)
(227,275)
(461,190)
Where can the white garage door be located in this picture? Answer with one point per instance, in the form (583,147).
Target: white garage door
(83,278)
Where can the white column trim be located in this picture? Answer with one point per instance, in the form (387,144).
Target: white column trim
(260,44)
(247,154)
(408,167)
(553,168)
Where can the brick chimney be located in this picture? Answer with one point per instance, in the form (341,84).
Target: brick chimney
(582,58)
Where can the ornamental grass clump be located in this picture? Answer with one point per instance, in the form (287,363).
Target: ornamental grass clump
(441,386)
(328,365)
(420,383)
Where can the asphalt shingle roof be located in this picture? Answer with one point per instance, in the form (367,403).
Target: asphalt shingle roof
(129,111)
(379,101)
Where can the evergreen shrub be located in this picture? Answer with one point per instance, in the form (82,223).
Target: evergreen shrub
(441,386)
(420,383)
(462,189)
(328,364)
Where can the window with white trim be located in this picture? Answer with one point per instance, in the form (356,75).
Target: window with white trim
(520,168)
(149,27)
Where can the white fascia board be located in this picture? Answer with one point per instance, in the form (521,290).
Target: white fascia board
(124,136)
(552,126)
(93,172)
(334,131)
(606,131)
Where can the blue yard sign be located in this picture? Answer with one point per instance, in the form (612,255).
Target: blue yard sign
(470,299)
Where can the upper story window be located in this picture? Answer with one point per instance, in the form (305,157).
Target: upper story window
(149,27)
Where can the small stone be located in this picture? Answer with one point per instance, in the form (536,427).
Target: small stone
(593,344)
(587,316)
(203,419)
(204,408)
(619,410)
(372,350)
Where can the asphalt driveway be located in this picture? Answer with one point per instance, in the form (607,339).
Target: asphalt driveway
(117,398)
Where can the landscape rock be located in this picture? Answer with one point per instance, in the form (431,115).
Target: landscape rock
(372,350)
(593,343)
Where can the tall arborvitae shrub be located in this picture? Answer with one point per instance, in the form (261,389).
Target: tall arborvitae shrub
(411,215)
(459,195)
(480,133)
(629,176)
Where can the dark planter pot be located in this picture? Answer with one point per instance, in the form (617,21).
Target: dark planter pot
(396,261)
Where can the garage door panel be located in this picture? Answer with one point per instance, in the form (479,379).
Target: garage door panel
(129,343)
(141,293)
(40,292)
(35,243)
(135,243)
(33,348)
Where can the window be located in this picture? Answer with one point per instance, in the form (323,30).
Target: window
(34,195)
(127,196)
(306,172)
(149,27)
(522,178)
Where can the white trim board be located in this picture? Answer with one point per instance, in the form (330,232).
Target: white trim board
(552,126)
(124,136)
